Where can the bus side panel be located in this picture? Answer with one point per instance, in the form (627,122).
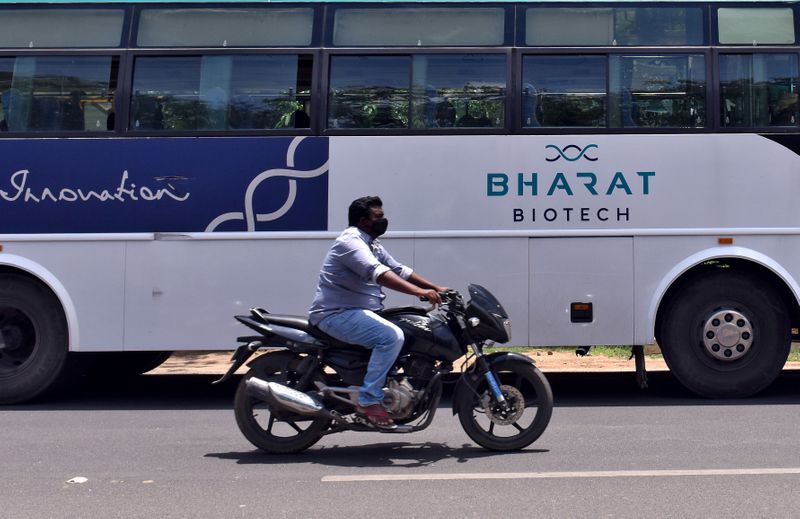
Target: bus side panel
(92,274)
(499,264)
(581,270)
(182,295)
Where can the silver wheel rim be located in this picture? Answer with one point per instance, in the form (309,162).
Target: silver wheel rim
(727,335)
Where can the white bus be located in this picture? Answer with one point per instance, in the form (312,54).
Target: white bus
(616,172)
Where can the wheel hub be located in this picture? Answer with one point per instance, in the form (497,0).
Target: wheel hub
(509,415)
(727,335)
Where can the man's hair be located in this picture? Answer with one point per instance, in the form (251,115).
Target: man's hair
(360,208)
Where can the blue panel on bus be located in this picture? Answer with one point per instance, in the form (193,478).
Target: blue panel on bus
(163,185)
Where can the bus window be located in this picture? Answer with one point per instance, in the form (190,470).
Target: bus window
(221,92)
(759,90)
(607,26)
(369,92)
(419,26)
(461,90)
(665,91)
(446,90)
(564,91)
(57,93)
(54,28)
(747,26)
(225,27)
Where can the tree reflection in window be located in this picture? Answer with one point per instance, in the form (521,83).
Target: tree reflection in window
(220,92)
(421,91)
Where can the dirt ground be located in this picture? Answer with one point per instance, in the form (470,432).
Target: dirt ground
(561,359)
(548,360)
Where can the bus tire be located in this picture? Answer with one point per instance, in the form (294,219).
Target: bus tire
(725,335)
(33,339)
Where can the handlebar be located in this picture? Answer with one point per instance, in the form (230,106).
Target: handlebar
(448,297)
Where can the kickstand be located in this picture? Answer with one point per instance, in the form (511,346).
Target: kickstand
(637,352)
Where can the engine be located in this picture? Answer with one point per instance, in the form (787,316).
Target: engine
(400,397)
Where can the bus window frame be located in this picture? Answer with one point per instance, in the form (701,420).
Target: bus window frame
(748,49)
(316,32)
(520,28)
(331,9)
(608,52)
(125,33)
(411,51)
(715,7)
(221,51)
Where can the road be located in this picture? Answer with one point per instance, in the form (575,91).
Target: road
(167,446)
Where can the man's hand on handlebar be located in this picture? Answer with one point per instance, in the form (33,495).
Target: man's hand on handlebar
(430,295)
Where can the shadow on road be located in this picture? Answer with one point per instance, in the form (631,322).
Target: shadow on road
(569,389)
(395,454)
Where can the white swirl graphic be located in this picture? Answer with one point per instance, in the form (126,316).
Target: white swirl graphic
(249,215)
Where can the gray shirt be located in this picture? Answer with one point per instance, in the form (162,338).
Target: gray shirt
(349,274)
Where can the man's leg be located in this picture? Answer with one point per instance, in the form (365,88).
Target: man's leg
(367,329)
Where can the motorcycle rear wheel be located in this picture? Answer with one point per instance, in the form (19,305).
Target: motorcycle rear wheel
(529,397)
(276,431)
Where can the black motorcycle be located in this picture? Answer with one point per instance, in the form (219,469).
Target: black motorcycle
(306,385)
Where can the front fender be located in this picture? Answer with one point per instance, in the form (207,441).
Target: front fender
(468,381)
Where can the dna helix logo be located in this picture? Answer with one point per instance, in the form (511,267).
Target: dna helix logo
(249,216)
(567,152)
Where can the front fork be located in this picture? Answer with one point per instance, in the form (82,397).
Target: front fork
(494,386)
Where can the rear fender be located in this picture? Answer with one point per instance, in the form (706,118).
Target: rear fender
(468,381)
(278,336)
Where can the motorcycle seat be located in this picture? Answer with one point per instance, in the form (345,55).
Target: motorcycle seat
(290,321)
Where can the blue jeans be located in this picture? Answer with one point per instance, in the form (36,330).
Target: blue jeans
(366,328)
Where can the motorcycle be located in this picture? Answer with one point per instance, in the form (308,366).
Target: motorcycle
(306,384)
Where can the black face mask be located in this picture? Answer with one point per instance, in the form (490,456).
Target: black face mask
(379,226)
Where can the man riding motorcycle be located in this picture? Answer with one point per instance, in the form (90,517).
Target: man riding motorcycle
(349,294)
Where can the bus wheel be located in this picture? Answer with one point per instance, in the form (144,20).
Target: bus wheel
(33,338)
(725,335)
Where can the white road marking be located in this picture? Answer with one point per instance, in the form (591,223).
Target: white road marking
(563,475)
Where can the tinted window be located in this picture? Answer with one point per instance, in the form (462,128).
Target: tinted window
(442,91)
(369,91)
(221,92)
(605,26)
(57,93)
(419,27)
(756,26)
(759,90)
(37,28)
(657,91)
(564,91)
(243,27)
(466,91)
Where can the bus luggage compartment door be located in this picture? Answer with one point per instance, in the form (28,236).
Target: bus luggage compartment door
(581,270)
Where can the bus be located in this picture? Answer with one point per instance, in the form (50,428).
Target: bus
(617,172)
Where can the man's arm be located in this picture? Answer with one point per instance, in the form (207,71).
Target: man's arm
(421,282)
(391,280)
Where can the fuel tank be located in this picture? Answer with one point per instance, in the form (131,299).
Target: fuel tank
(425,335)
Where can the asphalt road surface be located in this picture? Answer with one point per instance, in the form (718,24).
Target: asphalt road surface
(168,446)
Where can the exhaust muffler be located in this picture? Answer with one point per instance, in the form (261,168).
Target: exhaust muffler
(284,397)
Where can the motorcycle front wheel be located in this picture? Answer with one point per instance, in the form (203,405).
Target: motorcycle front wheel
(270,429)
(518,424)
